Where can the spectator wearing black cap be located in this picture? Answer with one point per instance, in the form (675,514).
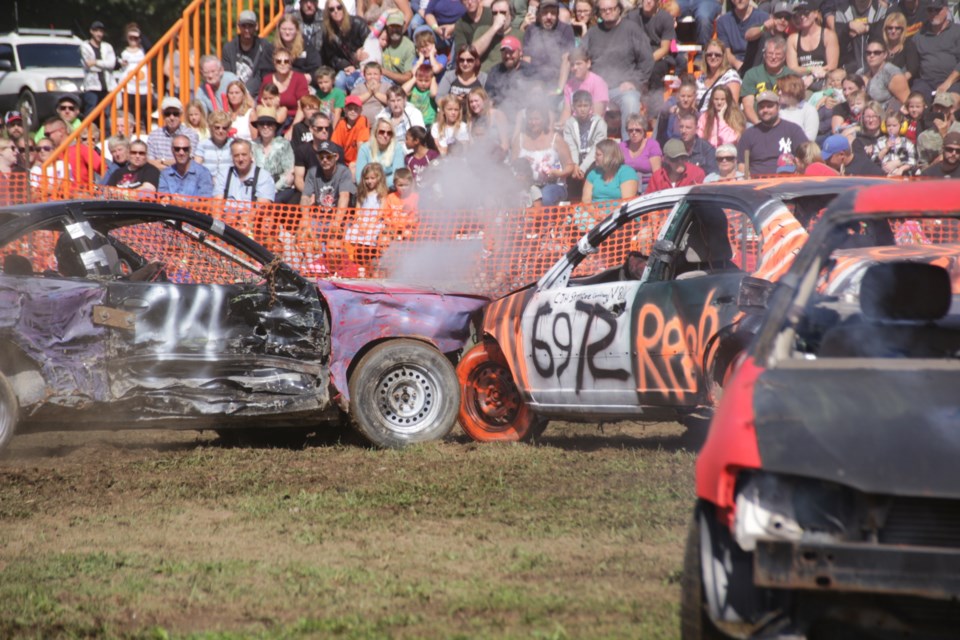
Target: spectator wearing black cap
(328,185)
(68,110)
(938,46)
(99,61)
(248,55)
(949,165)
(813,51)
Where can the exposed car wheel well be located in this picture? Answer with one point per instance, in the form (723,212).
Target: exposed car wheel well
(22,372)
(358,356)
(731,342)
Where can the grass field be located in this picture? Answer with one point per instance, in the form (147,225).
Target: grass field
(172,535)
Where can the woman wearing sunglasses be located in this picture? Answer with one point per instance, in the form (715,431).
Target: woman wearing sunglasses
(382,148)
(57,172)
(901,50)
(716,71)
(465,77)
(343,40)
(292,86)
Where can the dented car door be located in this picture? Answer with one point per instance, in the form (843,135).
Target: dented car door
(210,330)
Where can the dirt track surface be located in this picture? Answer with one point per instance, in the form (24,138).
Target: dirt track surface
(121,534)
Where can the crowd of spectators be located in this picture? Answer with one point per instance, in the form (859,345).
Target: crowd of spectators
(577,101)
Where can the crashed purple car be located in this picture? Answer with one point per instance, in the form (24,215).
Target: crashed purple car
(128,315)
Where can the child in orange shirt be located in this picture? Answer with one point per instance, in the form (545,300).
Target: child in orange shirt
(400,207)
(351,131)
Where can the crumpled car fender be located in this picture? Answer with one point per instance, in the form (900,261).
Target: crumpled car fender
(366,312)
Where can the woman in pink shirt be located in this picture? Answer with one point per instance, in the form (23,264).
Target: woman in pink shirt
(582,79)
(722,122)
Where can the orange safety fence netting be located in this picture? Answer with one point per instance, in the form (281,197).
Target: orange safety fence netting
(491,251)
(479,251)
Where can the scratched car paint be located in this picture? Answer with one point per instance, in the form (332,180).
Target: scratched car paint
(826,490)
(131,315)
(598,338)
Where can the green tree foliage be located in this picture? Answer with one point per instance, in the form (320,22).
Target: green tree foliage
(154,16)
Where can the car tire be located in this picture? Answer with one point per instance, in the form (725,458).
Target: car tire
(491,408)
(27,106)
(403,392)
(724,571)
(9,412)
(695,623)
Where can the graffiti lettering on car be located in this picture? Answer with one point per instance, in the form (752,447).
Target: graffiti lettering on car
(678,343)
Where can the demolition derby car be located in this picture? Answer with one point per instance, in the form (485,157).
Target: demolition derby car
(117,315)
(827,501)
(639,320)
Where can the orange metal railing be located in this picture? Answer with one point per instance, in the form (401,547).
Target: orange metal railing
(204,27)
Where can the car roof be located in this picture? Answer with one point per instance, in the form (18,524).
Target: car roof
(756,192)
(55,37)
(934,196)
(38,213)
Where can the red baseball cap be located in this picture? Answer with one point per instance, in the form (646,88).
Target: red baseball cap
(511,43)
(354,100)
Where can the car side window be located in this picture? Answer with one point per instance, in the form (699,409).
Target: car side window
(715,239)
(182,253)
(6,53)
(632,240)
(49,251)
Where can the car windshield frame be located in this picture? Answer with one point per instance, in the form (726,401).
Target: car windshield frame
(48,55)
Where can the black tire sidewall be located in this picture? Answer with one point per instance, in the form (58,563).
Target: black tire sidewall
(364,413)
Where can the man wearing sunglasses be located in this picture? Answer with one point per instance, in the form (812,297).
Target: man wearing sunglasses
(68,110)
(185,177)
(938,46)
(306,156)
(137,174)
(949,165)
(248,55)
(160,139)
